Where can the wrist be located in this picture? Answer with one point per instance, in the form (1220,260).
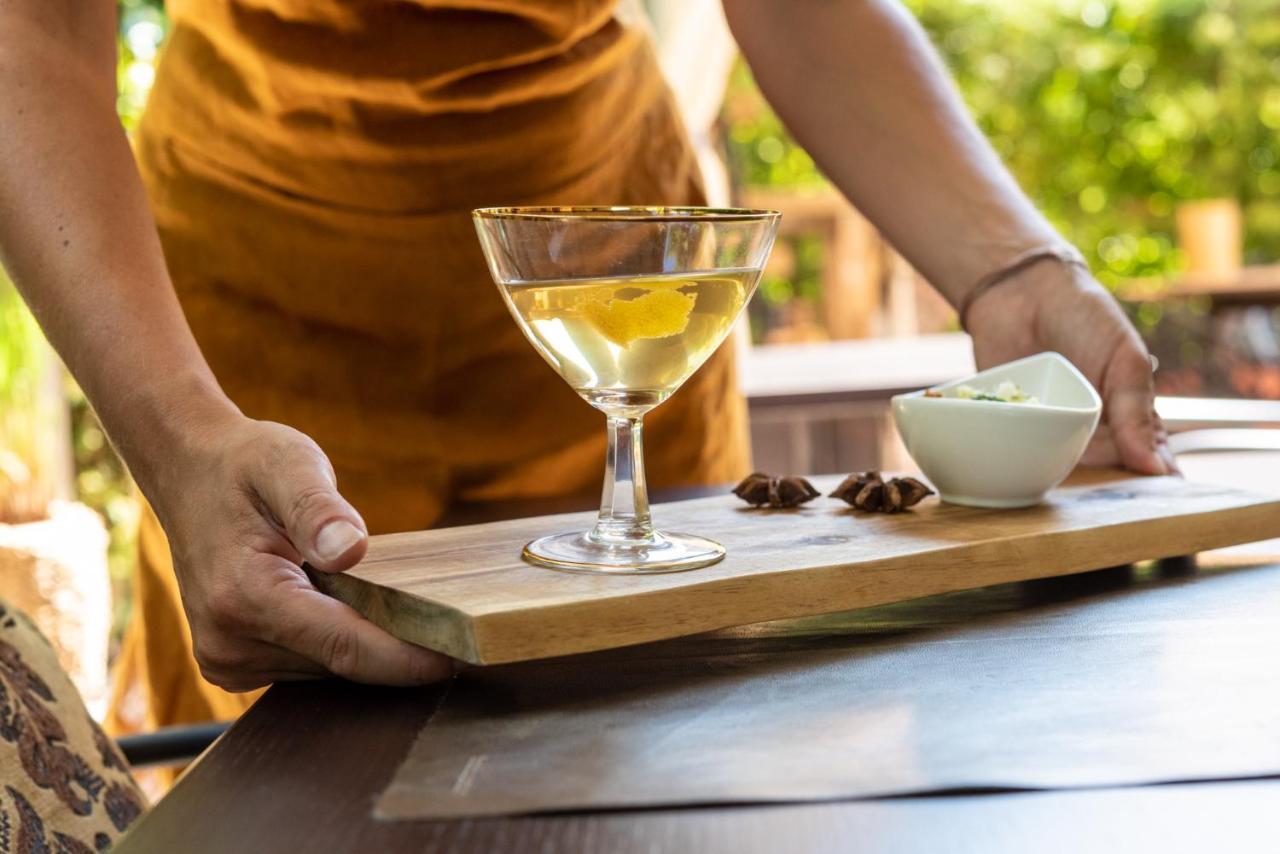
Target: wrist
(1026,301)
(1013,268)
(163,423)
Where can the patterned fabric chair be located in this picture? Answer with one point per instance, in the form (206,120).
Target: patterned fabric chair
(64,786)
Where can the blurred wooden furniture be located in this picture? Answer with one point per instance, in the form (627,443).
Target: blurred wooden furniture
(1248,284)
(1224,440)
(868,289)
(1211,235)
(1202,413)
(824,408)
(852,265)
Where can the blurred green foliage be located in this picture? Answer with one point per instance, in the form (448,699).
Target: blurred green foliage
(142,29)
(24,485)
(103,483)
(760,153)
(1108,112)
(802,280)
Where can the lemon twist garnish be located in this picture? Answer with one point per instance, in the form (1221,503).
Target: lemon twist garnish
(656,314)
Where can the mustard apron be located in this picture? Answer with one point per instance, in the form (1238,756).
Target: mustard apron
(312,165)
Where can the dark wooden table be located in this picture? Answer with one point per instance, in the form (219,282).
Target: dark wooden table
(302,769)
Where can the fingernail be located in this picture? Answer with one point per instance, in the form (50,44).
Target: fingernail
(336,539)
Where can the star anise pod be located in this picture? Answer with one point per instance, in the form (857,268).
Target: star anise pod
(763,489)
(868,491)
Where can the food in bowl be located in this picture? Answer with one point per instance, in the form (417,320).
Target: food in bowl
(1007,392)
(1004,453)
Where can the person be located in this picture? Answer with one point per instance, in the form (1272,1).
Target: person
(277,305)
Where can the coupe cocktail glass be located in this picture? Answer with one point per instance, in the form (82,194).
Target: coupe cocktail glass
(625,303)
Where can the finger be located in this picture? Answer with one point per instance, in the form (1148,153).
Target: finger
(301,491)
(1101,450)
(1162,447)
(246,666)
(1130,410)
(241,684)
(334,636)
(1133,430)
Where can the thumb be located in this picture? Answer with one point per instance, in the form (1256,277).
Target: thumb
(301,490)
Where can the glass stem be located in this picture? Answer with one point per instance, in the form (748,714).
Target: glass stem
(624,507)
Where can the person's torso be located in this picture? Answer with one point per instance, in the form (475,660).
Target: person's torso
(403,105)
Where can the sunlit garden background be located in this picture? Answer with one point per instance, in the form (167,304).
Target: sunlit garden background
(1113,114)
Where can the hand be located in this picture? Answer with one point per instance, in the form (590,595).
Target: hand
(1052,306)
(244,504)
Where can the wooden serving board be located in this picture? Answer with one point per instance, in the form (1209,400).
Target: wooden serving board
(465,591)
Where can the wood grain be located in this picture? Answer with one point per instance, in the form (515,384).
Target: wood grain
(466,592)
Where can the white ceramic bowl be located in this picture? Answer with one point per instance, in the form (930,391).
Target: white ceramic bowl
(993,454)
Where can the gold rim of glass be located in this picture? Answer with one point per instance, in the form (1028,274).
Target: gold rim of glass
(626,213)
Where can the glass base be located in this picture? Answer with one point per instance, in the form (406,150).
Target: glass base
(578,552)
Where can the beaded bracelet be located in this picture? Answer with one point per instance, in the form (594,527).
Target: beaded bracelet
(1061,252)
